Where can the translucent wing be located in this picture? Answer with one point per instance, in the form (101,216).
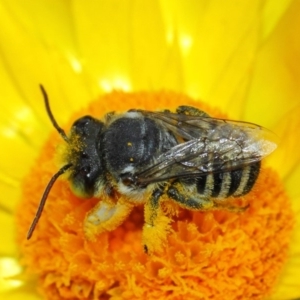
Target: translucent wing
(209,146)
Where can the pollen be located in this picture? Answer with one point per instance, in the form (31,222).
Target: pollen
(207,255)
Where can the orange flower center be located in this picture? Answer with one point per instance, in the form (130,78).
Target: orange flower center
(208,255)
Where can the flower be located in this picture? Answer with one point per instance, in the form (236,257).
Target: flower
(241,58)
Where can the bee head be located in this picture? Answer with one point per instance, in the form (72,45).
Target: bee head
(83,154)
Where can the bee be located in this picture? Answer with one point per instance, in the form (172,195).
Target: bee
(144,157)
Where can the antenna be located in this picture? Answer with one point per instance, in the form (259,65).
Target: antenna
(49,112)
(55,176)
(44,198)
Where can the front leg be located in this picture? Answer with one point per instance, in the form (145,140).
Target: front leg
(105,216)
(157,225)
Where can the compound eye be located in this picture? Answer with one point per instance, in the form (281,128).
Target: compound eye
(82,122)
(83,181)
(85,171)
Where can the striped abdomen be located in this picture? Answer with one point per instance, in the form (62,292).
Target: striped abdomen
(234,183)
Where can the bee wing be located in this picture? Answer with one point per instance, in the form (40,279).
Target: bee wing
(210,146)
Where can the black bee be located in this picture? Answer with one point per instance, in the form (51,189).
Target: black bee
(193,159)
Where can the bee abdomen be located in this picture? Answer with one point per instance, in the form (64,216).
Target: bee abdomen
(247,180)
(234,183)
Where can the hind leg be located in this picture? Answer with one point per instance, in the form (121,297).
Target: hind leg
(188,200)
(194,201)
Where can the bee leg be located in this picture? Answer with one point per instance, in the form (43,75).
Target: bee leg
(231,208)
(109,116)
(156,226)
(191,111)
(188,200)
(105,216)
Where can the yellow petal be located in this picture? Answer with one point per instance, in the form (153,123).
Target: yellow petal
(22,294)
(18,148)
(220,53)
(272,13)
(10,191)
(292,185)
(44,61)
(17,292)
(97,26)
(36,18)
(125,43)
(286,159)
(155,61)
(274,90)
(8,243)
(9,267)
